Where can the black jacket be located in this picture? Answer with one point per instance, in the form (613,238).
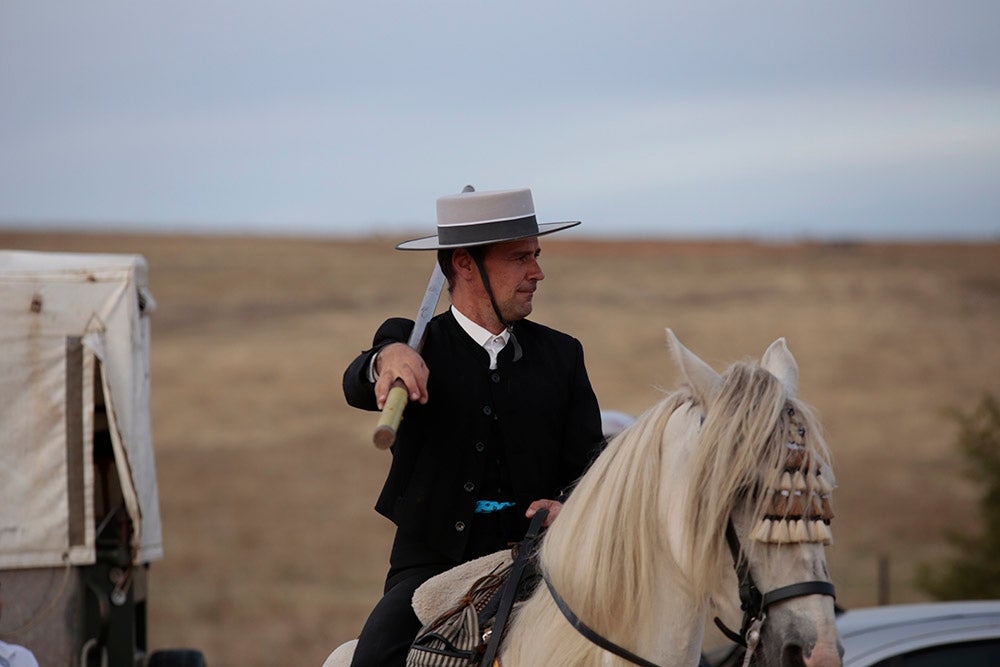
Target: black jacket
(543,404)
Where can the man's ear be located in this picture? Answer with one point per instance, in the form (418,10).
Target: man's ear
(464,265)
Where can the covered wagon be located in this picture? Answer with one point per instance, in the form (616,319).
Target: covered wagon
(79,506)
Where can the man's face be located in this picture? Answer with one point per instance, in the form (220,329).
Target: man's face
(514,274)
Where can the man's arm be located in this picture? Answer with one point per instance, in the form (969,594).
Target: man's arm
(359,389)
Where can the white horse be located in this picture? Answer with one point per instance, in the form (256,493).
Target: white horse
(643,551)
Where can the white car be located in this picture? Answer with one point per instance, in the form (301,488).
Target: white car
(936,634)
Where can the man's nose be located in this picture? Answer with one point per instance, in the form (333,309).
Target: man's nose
(536,272)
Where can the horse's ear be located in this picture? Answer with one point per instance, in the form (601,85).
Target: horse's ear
(778,360)
(703,379)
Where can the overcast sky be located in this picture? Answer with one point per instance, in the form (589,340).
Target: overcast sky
(764,119)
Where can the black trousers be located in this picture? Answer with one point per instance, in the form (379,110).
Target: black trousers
(387,634)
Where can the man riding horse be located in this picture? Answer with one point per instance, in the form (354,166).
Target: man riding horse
(502,417)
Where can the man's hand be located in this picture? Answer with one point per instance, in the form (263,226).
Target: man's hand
(553,506)
(401,361)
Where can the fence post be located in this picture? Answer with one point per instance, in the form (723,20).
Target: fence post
(883,580)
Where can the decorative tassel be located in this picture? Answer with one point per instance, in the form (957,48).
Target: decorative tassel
(820,532)
(799,481)
(786,481)
(796,456)
(817,507)
(763,531)
(827,513)
(779,503)
(799,532)
(780,533)
(816,533)
(797,508)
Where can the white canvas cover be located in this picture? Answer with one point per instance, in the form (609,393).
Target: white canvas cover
(63,318)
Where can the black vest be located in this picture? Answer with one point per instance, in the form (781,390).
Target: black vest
(538,416)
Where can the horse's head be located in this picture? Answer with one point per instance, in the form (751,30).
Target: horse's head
(756,503)
(641,547)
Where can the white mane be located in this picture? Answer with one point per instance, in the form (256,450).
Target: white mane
(610,542)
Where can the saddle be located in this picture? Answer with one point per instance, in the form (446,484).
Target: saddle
(470,631)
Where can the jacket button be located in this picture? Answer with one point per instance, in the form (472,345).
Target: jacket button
(495,377)
(487,410)
(480,447)
(469,486)
(460,526)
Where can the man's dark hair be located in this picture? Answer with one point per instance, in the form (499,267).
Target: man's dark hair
(444,261)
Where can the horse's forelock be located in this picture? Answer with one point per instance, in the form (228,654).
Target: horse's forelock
(741,456)
(737,453)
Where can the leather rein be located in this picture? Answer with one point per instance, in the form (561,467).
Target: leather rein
(753,603)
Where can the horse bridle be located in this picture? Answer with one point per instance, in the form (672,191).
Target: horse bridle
(753,603)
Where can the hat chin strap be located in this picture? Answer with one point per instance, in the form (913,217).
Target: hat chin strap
(477,257)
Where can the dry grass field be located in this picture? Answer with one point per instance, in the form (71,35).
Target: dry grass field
(267,479)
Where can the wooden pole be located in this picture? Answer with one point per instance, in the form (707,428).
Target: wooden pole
(395,402)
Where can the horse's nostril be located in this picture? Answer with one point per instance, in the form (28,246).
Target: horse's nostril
(791,656)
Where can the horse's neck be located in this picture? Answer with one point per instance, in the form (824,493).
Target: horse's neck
(668,625)
(676,626)
(671,635)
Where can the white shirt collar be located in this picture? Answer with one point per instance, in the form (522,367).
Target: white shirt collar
(476,332)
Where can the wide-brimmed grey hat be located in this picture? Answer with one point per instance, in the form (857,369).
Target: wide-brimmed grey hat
(480,218)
